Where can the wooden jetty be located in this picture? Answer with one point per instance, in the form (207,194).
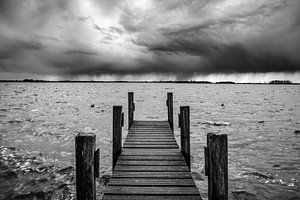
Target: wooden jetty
(151,165)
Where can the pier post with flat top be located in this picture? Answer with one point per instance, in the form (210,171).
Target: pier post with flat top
(217,166)
(118,121)
(184,122)
(170,109)
(85,169)
(131,108)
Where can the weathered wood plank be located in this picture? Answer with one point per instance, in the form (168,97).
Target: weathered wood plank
(150,121)
(152,190)
(145,153)
(150,139)
(152,168)
(149,150)
(151,197)
(140,174)
(152,146)
(150,142)
(150,130)
(155,146)
(148,182)
(153,152)
(147,128)
(151,163)
(150,135)
(147,157)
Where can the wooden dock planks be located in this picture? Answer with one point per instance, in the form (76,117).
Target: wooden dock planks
(151,166)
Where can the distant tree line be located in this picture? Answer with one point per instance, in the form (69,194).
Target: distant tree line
(280,82)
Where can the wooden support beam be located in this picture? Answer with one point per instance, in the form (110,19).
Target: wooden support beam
(170,109)
(85,177)
(206,161)
(185,133)
(97,163)
(131,109)
(217,166)
(117,134)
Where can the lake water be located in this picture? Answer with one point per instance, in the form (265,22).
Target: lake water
(39,121)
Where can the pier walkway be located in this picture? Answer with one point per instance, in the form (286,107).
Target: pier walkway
(151,166)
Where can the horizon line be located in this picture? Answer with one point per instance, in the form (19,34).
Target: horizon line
(275,82)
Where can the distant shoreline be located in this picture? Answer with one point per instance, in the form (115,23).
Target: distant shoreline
(178,82)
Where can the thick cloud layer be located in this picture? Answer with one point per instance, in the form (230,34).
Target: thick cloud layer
(179,37)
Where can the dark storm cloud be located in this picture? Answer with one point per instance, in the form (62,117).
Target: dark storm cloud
(181,37)
(81,52)
(269,52)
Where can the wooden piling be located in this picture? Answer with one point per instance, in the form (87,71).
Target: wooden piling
(206,161)
(170,109)
(131,108)
(85,177)
(97,163)
(117,134)
(217,166)
(185,133)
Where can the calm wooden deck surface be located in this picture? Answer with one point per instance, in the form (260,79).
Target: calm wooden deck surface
(151,166)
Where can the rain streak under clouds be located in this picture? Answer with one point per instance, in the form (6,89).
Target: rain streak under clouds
(177,38)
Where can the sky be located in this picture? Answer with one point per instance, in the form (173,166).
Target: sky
(215,40)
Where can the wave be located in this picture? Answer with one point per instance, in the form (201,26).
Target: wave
(258,175)
(210,123)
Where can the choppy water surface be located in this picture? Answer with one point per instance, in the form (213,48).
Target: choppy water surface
(39,121)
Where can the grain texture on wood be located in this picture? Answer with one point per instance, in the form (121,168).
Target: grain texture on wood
(151,146)
(97,163)
(131,109)
(145,168)
(152,190)
(85,177)
(151,162)
(205,161)
(151,197)
(185,133)
(217,167)
(117,134)
(151,158)
(162,175)
(150,182)
(170,109)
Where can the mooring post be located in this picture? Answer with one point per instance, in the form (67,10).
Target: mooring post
(131,108)
(170,109)
(85,174)
(217,165)
(97,163)
(117,133)
(184,121)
